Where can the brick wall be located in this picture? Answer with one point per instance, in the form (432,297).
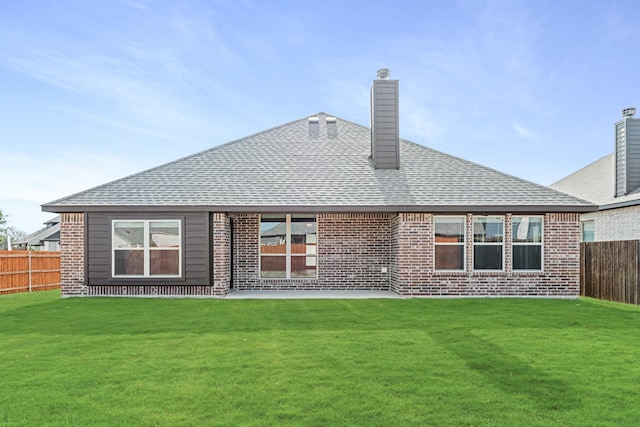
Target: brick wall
(411,250)
(413,273)
(72,256)
(352,251)
(221,253)
(615,224)
(246,231)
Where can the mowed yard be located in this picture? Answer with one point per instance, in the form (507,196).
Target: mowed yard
(175,362)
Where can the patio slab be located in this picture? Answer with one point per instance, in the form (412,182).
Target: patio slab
(311,295)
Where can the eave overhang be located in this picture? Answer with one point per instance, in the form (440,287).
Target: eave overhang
(530,209)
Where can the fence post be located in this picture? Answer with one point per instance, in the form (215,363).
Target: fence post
(29,271)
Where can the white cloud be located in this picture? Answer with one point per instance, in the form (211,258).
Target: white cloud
(522,131)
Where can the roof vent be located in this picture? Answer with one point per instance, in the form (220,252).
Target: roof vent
(384,73)
(314,119)
(331,119)
(628,112)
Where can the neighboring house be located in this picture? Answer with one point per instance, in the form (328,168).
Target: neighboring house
(322,203)
(612,183)
(45,239)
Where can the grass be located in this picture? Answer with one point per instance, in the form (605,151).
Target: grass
(475,362)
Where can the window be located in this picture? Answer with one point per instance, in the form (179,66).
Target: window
(147,248)
(588,231)
(449,242)
(288,246)
(488,242)
(527,242)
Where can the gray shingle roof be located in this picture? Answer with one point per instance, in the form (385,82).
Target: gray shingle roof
(295,168)
(50,233)
(596,183)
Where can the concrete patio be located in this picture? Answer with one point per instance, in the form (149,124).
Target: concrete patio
(311,295)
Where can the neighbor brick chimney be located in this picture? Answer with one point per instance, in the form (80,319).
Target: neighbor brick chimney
(385,135)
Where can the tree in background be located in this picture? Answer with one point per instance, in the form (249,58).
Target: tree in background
(6,231)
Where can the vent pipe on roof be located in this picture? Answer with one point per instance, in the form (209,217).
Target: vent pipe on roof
(385,134)
(627,153)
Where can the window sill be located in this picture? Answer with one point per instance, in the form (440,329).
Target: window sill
(489,273)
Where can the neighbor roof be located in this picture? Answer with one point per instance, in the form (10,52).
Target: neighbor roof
(324,167)
(50,233)
(596,183)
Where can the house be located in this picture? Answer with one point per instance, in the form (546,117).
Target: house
(612,183)
(322,203)
(45,239)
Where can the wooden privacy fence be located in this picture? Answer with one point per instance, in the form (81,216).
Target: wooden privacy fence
(27,271)
(610,270)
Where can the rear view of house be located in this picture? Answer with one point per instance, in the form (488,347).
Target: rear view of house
(322,203)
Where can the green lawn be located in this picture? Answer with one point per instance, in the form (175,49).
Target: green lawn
(174,362)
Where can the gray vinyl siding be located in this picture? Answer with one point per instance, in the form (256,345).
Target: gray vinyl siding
(633,154)
(385,133)
(627,156)
(196,266)
(621,170)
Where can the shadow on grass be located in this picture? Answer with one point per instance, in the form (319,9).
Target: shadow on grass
(508,373)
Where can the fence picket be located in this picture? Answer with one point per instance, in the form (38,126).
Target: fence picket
(26,271)
(611,270)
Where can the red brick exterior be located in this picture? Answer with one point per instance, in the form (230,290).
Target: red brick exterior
(353,252)
(412,272)
(221,254)
(72,257)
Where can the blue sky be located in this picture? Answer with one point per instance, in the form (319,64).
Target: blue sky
(94,91)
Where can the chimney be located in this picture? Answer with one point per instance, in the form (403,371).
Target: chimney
(627,149)
(385,135)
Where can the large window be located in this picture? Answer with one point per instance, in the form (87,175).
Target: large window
(488,242)
(147,248)
(449,243)
(526,239)
(288,246)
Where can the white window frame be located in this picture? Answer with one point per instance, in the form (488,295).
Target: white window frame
(287,253)
(463,243)
(474,243)
(146,250)
(541,243)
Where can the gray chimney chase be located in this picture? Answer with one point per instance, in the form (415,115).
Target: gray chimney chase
(385,132)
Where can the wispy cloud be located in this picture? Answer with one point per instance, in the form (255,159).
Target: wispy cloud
(522,131)
(149,74)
